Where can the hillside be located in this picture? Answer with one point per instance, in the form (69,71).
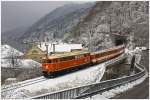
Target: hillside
(106,17)
(11,37)
(90,24)
(56,23)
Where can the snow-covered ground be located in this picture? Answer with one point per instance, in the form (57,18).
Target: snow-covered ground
(20,63)
(82,77)
(113,92)
(29,63)
(8,51)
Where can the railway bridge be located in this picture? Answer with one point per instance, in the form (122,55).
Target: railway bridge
(95,88)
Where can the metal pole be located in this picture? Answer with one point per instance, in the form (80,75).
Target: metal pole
(53,48)
(46,50)
(132,67)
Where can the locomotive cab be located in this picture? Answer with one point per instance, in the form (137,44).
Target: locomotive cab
(48,64)
(55,63)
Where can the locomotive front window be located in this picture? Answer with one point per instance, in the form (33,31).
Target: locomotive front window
(49,61)
(44,61)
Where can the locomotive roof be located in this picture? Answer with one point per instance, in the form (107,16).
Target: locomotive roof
(66,54)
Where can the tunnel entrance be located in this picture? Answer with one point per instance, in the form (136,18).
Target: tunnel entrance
(118,40)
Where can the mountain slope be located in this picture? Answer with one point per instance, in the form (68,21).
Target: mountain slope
(11,37)
(106,17)
(58,22)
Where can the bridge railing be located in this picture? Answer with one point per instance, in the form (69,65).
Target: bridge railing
(86,90)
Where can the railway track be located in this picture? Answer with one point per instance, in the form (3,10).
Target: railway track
(22,84)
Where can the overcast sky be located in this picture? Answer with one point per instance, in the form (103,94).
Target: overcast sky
(24,13)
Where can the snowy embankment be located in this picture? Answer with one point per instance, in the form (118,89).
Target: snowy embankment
(79,78)
(10,52)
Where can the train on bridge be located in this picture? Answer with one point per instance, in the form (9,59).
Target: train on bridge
(57,63)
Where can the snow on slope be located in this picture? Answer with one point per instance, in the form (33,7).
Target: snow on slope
(29,63)
(79,78)
(7,51)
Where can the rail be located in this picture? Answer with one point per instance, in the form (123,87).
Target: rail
(22,84)
(91,89)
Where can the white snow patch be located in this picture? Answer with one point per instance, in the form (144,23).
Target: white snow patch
(141,48)
(8,51)
(6,63)
(79,78)
(11,79)
(29,63)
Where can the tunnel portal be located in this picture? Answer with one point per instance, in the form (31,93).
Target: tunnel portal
(118,39)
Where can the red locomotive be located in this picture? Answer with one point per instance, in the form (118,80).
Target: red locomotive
(61,62)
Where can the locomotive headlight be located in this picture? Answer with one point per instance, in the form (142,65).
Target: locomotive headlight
(46,66)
